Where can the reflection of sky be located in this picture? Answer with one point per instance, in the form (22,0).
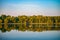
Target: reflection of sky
(30,7)
(15,35)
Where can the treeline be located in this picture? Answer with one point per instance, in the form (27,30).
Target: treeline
(29,23)
(29,19)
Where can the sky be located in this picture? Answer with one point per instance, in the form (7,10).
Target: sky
(30,7)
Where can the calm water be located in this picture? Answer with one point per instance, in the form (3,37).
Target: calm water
(29,35)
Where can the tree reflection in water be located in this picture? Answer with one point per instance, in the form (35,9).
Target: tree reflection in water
(30,27)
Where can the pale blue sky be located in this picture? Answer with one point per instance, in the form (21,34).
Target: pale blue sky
(30,7)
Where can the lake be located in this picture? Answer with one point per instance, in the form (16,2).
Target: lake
(29,35)
(21,32)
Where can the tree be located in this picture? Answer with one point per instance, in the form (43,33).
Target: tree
(0,21)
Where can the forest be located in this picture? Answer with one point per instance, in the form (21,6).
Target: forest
(29,23)
(29,19)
